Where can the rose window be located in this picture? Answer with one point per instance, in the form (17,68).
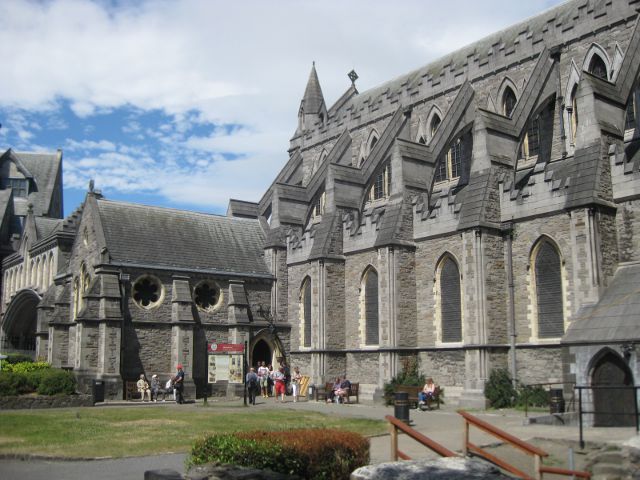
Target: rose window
(206,296)
(147,292)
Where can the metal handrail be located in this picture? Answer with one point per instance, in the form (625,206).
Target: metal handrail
(537,453)
(396,425)
(581,412)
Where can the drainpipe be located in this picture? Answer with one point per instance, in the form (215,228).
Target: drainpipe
(511,314)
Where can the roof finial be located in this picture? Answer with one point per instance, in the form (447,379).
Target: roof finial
(91,185)
(353,76)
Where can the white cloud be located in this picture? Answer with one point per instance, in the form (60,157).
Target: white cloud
(228,63)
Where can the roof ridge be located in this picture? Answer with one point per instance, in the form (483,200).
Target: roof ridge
(172,209)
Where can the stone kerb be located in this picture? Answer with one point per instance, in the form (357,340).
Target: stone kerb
(27,402)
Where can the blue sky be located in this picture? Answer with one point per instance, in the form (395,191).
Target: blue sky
(189,103)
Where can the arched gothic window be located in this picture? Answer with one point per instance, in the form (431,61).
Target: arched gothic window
(435,123)
(574,115)
(305,305)
(76,297)
(450,301)
(51,270)
(508,102)
(548,275)
(597,67)
(371,323)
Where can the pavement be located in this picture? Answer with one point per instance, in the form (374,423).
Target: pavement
(444,426)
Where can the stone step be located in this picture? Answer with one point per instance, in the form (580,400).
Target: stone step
(610,471)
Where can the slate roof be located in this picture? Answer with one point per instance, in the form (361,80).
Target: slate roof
(616,317)
(44,169)
(177,239)
(46,226)
(547,27)
(5,200)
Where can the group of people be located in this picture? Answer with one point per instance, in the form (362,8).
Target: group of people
(174,385)
(340,391)
(267,381)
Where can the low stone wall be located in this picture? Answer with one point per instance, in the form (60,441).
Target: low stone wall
(43,401)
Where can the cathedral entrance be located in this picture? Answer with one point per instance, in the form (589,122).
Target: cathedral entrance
(19,324)
(261,353)
(613,407)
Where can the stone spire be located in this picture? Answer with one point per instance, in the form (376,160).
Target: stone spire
(312,106)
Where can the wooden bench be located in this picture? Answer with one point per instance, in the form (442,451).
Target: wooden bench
(131,391)
(322,393)
(413,391)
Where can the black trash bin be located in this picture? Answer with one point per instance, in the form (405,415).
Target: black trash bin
(556,400)
(98,391)
(401,409)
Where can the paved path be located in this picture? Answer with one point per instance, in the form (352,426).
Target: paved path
(443,426)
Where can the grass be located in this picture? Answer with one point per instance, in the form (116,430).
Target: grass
(135,431)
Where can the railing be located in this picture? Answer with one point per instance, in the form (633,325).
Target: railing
(395,425)
(521,445)
(582,412)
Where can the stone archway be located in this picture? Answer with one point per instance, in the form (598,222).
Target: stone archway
(261,352)
(612,407)
(19,324)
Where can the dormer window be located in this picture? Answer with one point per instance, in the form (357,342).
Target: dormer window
(19,186)
(531,143)
(381,185)
(318,205)
(449,167)
(630,119)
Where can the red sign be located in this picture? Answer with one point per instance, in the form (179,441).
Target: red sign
(225,347)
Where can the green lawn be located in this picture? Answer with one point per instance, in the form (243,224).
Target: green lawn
(134,431)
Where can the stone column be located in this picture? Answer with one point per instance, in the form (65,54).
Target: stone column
(474,320)
(182,334)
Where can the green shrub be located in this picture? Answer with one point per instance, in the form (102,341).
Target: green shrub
(308,453)
(14,384)
(410,375)
(57,382)
(533,396)
(27,367)
(499,389)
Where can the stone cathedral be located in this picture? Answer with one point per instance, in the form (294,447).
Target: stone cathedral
(480,212)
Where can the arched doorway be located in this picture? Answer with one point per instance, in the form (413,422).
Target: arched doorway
(20,323)
(261,353)
(612,407)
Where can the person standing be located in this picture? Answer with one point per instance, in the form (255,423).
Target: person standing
(178,384)
(263,378)
(295,383)
(280,386)
(252,385)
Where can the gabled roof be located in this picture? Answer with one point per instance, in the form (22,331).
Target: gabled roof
(177,239)
(45,170)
